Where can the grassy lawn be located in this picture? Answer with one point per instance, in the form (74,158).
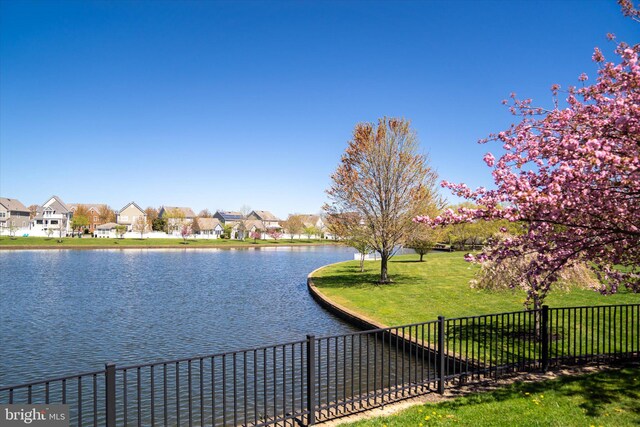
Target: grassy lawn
(439,286)
(137,242)
(607,398)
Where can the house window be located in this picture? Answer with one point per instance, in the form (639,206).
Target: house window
(95,219)
(3,214)
(53,221)
(38,221)
(124,217)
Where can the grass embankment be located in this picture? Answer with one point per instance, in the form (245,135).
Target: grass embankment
(88,242)
(608,398)
(421,291)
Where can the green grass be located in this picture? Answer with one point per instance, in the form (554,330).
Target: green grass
(421,291)
(607,398)
(137,242)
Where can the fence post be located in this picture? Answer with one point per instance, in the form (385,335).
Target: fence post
(441,351)
(544,336)
(311,379)
(110,395)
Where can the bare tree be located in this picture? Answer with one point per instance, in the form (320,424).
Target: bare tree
(141,225)
(293,225)
(205,213)
(33,211)
(383,179)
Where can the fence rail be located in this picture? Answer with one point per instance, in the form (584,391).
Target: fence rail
(323,378)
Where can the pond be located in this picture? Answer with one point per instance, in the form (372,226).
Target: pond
(69,311)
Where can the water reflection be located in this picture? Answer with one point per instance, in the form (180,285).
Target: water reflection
(69,311)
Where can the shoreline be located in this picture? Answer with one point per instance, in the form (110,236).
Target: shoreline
(171,246)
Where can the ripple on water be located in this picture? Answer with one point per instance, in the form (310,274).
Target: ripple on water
(64,312)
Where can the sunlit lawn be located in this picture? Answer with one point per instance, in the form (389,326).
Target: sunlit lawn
(608,398)
(439,286)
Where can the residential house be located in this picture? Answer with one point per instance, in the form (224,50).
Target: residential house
(93,214)
(131,215)
(13,214)
(233,219)
(53,216)
(228,216)
(176,217)
(107,230)
(253,225)
(268,220)
(311,220)
(209,228)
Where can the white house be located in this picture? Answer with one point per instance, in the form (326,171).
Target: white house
(53,216)
(209,228)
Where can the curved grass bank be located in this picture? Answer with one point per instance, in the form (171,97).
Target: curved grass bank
(422,291)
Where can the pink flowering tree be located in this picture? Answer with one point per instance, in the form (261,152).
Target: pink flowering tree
(275,234)
(571,175)
(185,232)
(255,235)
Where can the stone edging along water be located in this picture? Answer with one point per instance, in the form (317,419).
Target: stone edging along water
(363,322)
(353,317)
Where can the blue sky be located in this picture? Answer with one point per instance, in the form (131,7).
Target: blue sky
(224,104)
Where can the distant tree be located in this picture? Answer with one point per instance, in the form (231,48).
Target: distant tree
(106,214)
(311,230)
(293,225)
(255,235)
(243,222)
(12,230)
(33,211)
(159,224)
(205,213)
(350,229)
(141,225)
(385,180)
(121,230)
(226,231)
(152,214)
(195,226)
(185,232)
(62,228)
(79,222)
(49,232)
(274,233)
(423,239)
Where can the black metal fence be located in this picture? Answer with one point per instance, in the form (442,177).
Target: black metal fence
(318,379)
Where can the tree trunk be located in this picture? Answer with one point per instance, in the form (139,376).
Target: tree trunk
(362,262)
(384,273)
(421,255)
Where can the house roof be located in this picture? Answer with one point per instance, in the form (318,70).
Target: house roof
(229,215)
(107,226)
(265,215)
(208,223)
(13,205)
(89,206)
(187,212)
(56,204)
(310,220)
(129,204)
(253,223)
